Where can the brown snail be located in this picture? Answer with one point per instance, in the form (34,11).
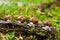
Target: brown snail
(9,17)
(48,23)
(34,20)
(22,19)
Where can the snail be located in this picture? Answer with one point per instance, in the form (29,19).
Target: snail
(48,23)
(34,20)
(22,19)
(8,18)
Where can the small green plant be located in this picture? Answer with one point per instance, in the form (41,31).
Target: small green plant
(10,36)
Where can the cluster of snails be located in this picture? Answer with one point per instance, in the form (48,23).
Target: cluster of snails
(31,22)
(22,19)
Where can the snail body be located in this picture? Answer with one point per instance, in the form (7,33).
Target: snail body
(22,19)
(8,19)
(34,20)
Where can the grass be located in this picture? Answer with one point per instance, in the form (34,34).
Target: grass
(29,12)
